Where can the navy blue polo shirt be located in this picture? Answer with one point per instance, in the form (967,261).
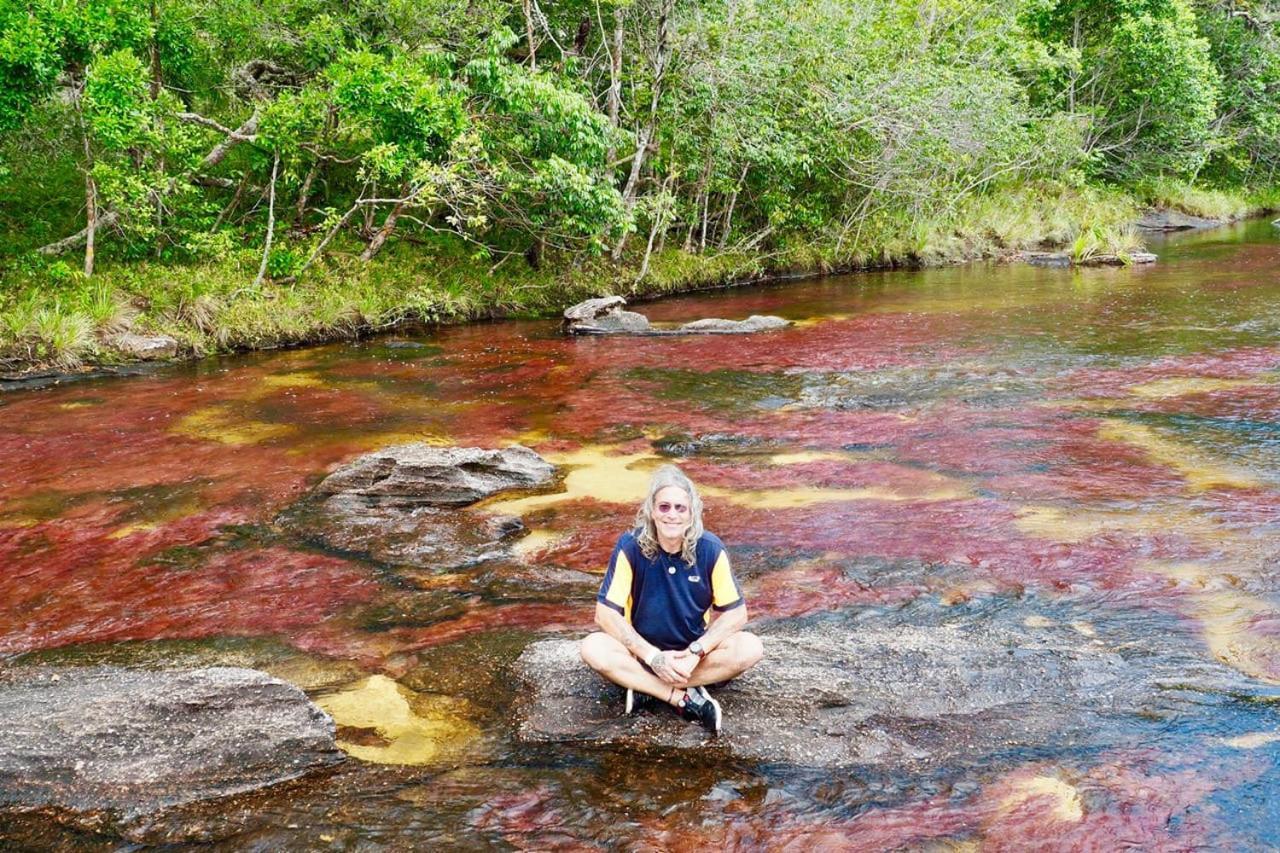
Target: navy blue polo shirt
(667,600)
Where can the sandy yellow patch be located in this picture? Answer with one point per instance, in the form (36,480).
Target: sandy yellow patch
(1084,629)
(75,404)
(405,727)
(1037,621)
(1225,613)
(1255,740)
(291,380)
(593,472)
(536,541)
(1067,805)
(222,424)
(1182,386)
(1201,471)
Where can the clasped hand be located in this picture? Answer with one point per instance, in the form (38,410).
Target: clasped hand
(676,667)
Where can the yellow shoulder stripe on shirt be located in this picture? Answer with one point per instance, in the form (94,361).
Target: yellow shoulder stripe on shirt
(723,590)
(619,592)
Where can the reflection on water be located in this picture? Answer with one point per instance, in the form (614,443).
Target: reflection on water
(1076,450)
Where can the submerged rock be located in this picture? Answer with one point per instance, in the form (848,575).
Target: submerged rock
(1062,259)
(716,326)
(411,504)
(872,692)
(102,745)
(605,316)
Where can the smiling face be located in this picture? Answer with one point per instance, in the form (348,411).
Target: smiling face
(671,517)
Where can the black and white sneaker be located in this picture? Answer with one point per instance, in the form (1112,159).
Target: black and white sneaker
(699,707)
(637,701)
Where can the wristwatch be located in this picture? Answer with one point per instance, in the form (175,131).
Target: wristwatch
(696,648)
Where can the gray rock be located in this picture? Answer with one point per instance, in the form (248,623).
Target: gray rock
(424,475)
(145,347)
(754,323)
(590,309)
(409,504)
(104,745)
(604,316)
(1174,220)
(1062,259)
(616,323)
(893,695)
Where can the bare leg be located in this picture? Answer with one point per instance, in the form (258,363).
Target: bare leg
(737,654)
(611,659)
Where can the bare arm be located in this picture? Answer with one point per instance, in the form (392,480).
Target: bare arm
(615,625)
(723,626)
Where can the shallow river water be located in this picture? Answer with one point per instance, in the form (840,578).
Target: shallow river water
(1093,450)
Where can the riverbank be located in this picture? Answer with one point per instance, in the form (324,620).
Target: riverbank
(53,319)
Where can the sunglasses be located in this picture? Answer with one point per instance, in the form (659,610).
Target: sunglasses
(665,507)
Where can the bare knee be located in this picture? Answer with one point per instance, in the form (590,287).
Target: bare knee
(595,649)
(748,650)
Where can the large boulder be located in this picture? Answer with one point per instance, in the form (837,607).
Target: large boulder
(411,504)
(106,746)
(831,693)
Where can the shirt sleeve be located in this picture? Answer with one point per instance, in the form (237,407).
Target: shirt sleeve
(725,593)
(615,589)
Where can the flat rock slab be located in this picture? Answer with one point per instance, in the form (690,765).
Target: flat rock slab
(106,744)
(146,347)
(1174,220)
(605,316)
(411,504)
(882,694)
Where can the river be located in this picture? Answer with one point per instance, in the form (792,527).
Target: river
(1097,448)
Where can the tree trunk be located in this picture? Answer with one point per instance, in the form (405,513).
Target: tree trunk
(659,224)
(388,225)
(614,99)
(91,209)
(727,227)
(271,222)
(528,29)
(661,55)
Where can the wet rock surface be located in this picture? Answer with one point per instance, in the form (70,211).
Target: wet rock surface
(881,693)
(1062,259)
(411,504)
(889,390)
(103,745)
(1174,220)
(605,316)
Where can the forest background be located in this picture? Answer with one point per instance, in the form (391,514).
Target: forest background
(248,173)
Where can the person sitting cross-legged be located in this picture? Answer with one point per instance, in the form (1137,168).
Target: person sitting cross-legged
(670,611)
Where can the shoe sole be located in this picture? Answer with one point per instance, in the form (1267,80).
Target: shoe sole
(716,706)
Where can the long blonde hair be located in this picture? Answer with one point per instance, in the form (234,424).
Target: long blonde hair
(646,532)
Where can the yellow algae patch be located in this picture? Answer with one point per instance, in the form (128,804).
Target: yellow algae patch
(1200,470)
(1067,805)
(395,725)
(1182,386)
(593,473)
(1037,621)
(536,541)
(75,404)
(220,423)
(1084,629)
(291,380)
(1225,612)
(1078,525)
(308,672)
(1254,740)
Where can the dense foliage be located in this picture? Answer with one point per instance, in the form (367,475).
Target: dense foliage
(281,131)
